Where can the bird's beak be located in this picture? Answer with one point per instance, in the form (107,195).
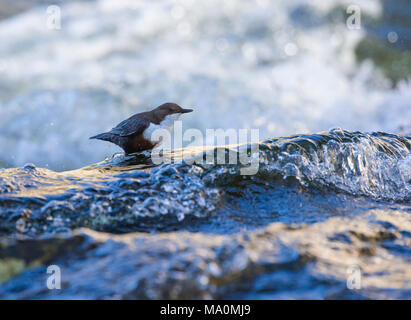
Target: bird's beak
(186,110)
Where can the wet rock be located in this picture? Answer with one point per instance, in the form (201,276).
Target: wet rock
(311,260)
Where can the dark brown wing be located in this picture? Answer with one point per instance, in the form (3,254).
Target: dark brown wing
(133,125)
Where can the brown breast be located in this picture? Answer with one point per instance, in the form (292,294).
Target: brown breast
(137,143)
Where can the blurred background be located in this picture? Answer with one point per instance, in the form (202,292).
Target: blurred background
(284,67)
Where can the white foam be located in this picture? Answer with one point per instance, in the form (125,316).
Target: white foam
(112,59)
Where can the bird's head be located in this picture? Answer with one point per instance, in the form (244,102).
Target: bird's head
(170,110)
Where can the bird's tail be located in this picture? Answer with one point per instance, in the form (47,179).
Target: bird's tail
(106,136)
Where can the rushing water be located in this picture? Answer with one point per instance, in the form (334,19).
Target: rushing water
(321,207)
(284,67)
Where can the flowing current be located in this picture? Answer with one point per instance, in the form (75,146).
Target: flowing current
(319,205)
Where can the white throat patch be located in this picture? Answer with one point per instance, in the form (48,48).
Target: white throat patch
(166,124)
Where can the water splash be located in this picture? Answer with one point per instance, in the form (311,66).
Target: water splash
(123,194)
(237,74)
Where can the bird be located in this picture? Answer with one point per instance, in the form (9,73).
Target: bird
(135,133)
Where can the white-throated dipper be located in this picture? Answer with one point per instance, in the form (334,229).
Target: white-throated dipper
(134,134)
